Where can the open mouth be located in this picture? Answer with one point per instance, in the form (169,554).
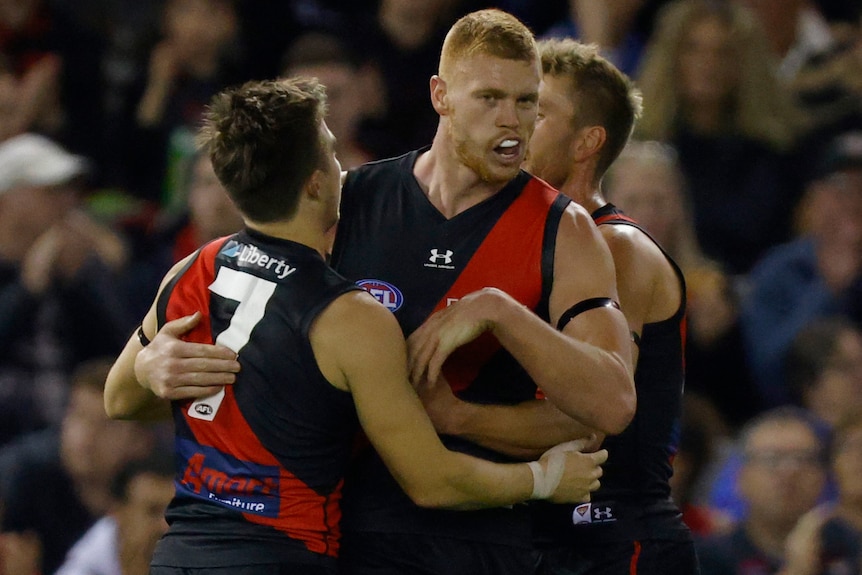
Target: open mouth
(509,149)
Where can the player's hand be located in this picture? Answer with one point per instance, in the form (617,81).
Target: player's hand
(450,328)
(580,474)
(439,402)
(175,369)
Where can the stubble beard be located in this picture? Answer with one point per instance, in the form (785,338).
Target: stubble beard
(465,151)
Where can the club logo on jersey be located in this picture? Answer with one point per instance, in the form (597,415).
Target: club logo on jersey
(249,256)
(440,259)
(221,479)
(384,292)
(581,514)
(588,513)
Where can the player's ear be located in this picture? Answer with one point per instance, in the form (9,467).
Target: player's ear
(439,96)
(595,139)
(590,142)
(314,184)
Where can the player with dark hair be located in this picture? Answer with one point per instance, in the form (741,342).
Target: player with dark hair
(479,261)
(261,463)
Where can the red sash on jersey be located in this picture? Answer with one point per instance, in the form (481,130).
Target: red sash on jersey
(510,259)
(303,514)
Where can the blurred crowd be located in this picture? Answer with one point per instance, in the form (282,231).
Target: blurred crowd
(746,166)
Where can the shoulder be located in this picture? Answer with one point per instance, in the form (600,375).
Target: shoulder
(577,219)
(371,184)
(631,246)
(579,241)
(358,306)
(354,322)
(353,334)
(379,169)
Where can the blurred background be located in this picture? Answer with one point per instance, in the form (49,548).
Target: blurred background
(746,166)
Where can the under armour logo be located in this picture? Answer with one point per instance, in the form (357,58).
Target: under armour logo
(603,514)
(436,256)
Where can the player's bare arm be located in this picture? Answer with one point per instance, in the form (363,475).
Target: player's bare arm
(360,349)
(586,367)
(524,431)
(648,287)
(649,292)
(124,398)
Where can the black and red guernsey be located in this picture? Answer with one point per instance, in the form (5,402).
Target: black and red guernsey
(396,244)
(261,466)
(634,500)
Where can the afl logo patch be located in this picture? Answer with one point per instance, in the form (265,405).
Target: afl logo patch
(204,409)
(385,293)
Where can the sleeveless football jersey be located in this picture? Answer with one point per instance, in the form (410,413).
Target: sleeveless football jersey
(261,464)
(398,246)
(634,501)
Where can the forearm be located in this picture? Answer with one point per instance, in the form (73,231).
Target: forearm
(563,474)
(523,431)
(586,382)
(466,482)
(125,398)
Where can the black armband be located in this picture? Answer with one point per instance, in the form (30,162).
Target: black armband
(142,337)
(583,306)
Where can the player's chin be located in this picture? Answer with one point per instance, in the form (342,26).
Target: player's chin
(502,172)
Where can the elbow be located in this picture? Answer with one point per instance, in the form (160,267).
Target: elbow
(610,411)
(441,490)
(619,418)
(116,409)
(118,405)
(621,401)
(427,500)
(432,498)
(615,407)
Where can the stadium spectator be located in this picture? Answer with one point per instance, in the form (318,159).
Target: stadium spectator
(782,476)
(56,483)
(58,269)
(712,93)
(818,273)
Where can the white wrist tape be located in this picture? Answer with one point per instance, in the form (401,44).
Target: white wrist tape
(546,482)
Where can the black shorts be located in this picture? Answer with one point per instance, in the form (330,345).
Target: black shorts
(265,569)
(647,557)
(402,554)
